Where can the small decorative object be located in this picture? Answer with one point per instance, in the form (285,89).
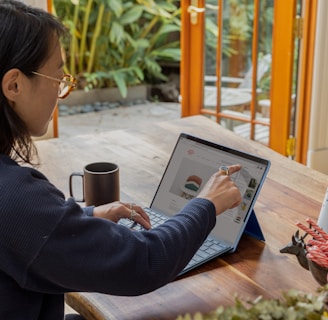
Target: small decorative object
(297,248)
(313,254)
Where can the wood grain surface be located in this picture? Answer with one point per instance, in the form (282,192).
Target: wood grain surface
(291,193)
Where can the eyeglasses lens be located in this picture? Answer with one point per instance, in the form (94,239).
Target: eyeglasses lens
(65,87)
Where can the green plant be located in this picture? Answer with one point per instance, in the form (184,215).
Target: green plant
(118,43)
(237,34)
(295,305)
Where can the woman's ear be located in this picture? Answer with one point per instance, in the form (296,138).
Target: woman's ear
(11,84)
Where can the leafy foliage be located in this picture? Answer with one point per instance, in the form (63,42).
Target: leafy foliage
(295,305)
(117,42)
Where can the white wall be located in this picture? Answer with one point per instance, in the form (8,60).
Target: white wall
(37,3)
(317,156)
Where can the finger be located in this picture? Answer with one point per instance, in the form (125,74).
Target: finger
(236,204)
(234,168)
(140,220)
(142,213)
(224,170)
(228,170)
(138,215)
(131,206)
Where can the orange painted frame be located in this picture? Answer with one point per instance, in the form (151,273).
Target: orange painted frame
(192,66)
(305,80)
(282,74)
(55,116)
(192,71)
(192,63)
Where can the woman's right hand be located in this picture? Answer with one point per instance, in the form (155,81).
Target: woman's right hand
(222,191)
(117,210)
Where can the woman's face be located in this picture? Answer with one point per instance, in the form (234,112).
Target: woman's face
(39,95)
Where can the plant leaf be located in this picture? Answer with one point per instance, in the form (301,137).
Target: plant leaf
(117,33)
(120,81)
(115,6)
(132,15)
(173,54)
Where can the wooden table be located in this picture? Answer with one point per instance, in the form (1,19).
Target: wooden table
(291,192)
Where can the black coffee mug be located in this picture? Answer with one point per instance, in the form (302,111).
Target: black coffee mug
(101,183)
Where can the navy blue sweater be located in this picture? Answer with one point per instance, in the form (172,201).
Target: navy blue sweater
(49,246)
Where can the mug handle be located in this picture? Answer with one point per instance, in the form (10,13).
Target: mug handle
(76,174)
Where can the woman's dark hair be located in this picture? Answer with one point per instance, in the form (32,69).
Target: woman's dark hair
(26,35)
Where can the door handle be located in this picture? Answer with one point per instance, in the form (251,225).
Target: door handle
(194,11)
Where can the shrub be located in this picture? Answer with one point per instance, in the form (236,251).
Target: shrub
(118,43)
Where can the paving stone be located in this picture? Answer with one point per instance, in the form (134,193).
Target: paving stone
(72,122)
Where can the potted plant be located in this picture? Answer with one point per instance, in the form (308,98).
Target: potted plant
(119,43)
(294,305)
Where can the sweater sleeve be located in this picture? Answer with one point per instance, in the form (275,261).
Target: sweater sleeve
(88,210)
(51,245)
(92,254)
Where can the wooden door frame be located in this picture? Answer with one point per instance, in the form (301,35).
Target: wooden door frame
(192,51)
(192,72)
(55,115)
(281,90)
(282,78)
(305,80)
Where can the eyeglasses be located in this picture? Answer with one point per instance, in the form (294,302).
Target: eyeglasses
(66,84)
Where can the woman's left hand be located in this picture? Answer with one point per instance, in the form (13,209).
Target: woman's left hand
(119,210)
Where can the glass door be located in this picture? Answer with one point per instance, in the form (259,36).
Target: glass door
(247,68)
(243,61)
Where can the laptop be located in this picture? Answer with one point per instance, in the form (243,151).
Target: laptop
(191,164)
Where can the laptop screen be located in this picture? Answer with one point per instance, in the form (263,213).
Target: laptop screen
(192,163)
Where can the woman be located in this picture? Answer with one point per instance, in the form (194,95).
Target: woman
(49,245)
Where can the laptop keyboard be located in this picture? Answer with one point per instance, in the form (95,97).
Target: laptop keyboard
(209,249)
(156,219)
